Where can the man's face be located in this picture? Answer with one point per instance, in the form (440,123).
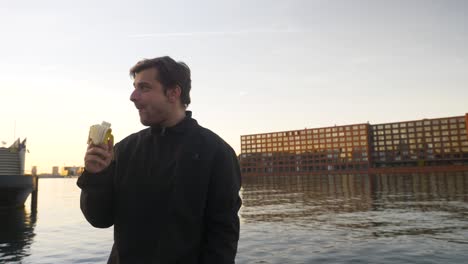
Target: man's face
(149,98)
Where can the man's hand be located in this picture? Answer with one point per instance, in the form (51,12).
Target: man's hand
(98,157)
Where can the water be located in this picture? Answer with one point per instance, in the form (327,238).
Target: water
(410,218)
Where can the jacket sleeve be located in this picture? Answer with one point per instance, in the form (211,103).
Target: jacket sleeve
(97,194)
(221,220)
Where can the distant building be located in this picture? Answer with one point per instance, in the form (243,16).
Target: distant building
(55,171)
(72,170)
(357,148)
(427,142)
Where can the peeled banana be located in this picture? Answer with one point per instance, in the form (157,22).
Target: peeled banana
(99,134)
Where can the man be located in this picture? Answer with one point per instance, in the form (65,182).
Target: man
(171,190)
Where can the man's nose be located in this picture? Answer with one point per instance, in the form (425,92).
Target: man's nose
(134,95)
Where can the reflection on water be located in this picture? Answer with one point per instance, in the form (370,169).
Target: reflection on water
(54,233)
(411,218)
(16,233)
(360,218)
(289,198)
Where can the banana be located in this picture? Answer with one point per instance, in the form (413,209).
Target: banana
(99,134)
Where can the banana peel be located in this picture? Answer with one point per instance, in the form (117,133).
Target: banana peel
(100,134)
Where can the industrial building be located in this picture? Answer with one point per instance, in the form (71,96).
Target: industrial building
(419,144)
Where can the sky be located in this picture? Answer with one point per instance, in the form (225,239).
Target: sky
(257,65)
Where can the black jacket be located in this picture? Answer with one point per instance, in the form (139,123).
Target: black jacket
(172,195)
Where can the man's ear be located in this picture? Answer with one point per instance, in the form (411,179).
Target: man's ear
(174,93)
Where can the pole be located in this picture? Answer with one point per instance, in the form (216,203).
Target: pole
(35,189)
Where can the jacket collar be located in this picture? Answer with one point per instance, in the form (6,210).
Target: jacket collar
(180,127)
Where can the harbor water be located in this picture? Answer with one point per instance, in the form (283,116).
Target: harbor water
(393,218)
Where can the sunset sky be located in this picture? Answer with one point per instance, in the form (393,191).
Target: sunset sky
(257,66)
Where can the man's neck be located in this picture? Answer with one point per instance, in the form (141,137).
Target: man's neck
(175,119)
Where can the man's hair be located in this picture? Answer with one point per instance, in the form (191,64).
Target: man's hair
(170,74)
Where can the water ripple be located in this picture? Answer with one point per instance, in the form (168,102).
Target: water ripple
(408,218)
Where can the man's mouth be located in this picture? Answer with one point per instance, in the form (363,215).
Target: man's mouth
(139,107)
